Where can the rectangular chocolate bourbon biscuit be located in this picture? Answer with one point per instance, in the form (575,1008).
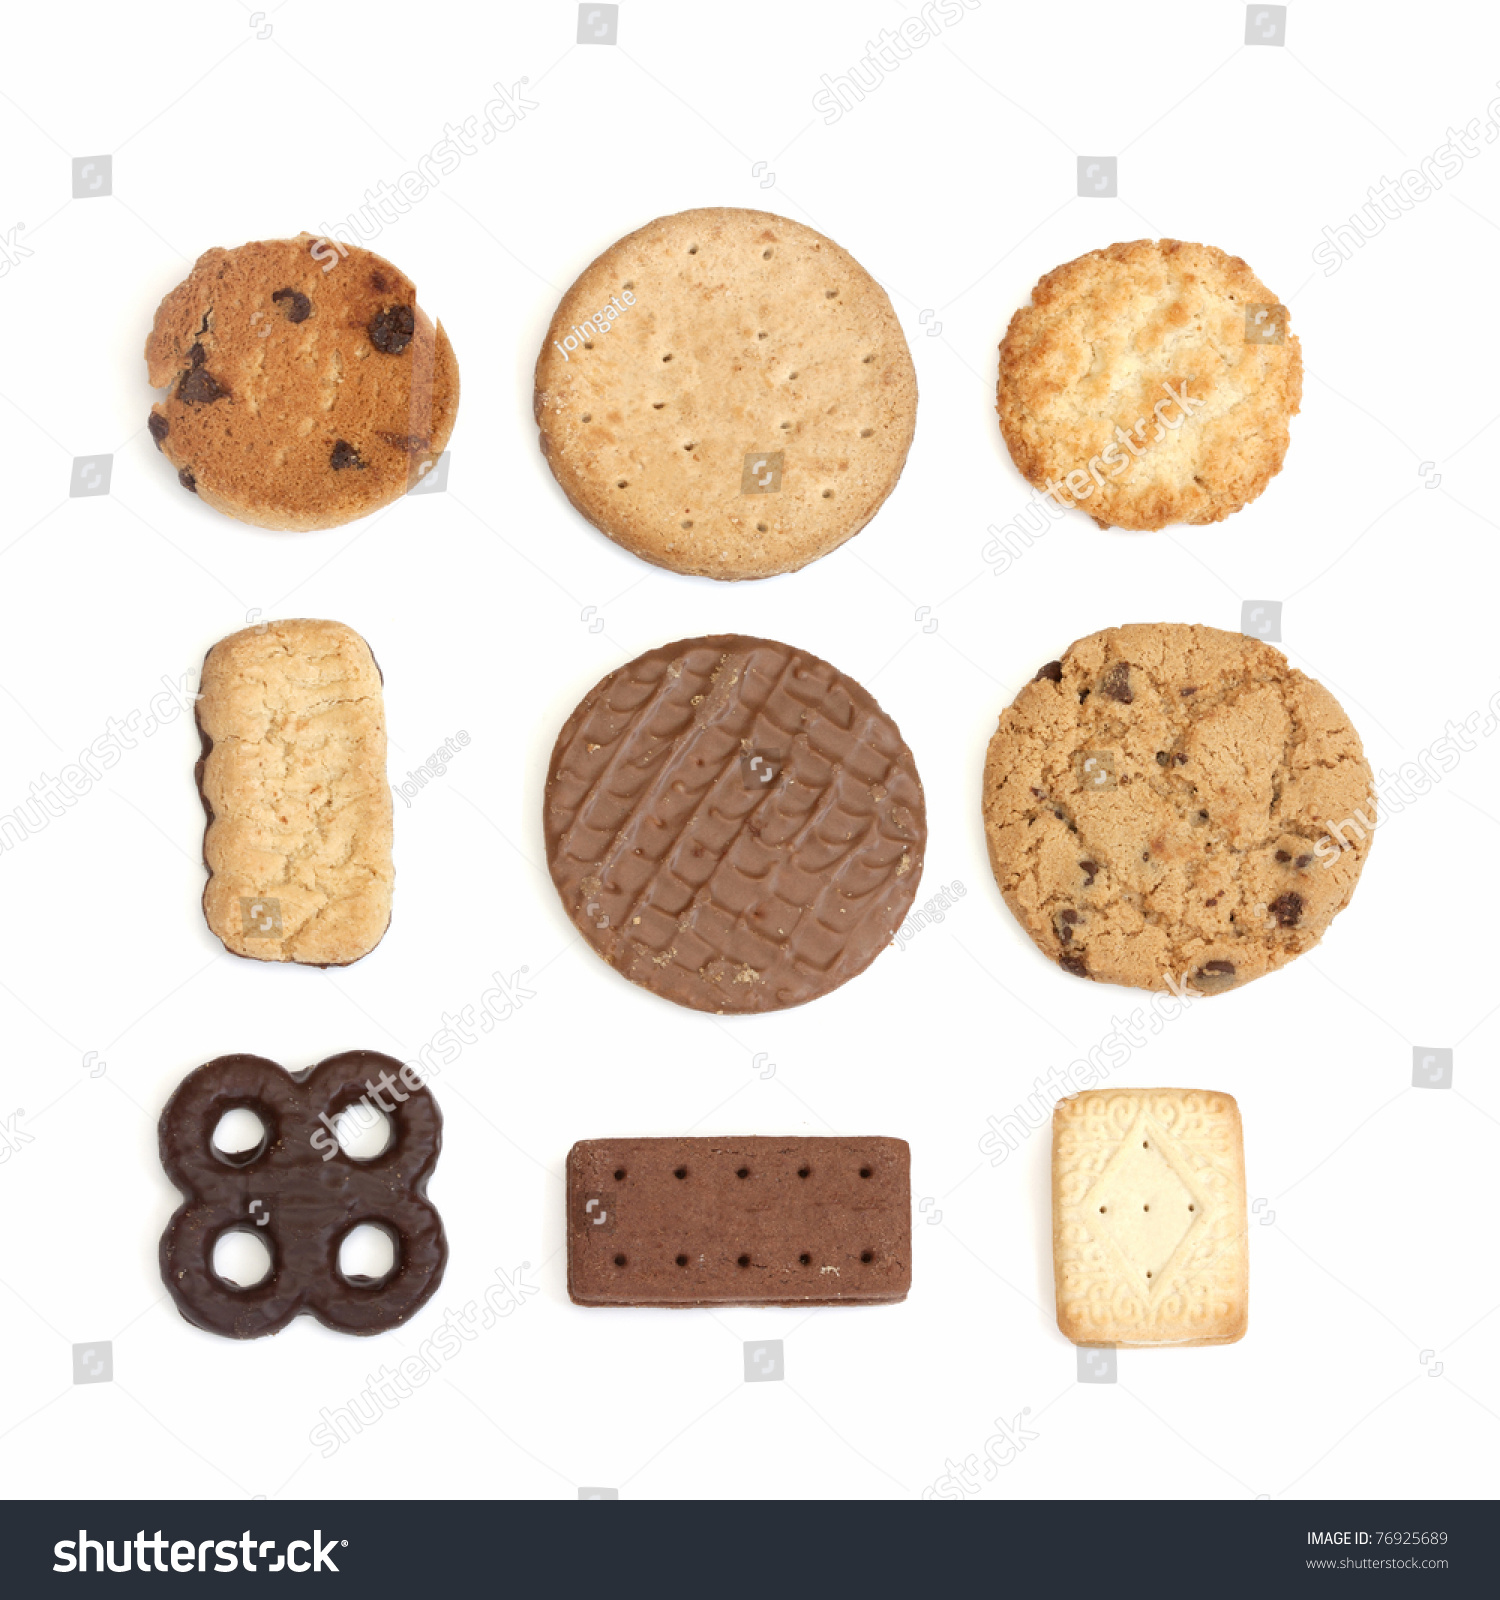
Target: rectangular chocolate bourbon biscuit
(1149,1241)
(298,842)
(739,1221)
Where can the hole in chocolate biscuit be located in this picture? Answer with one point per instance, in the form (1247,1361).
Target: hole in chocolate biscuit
(867,1256)
(686,526)
(760,527)
(667,357)
(805,1259)
(868,360)
(619,1261)
(681,1172)
(363,1132)
(866,433)
(802,1172)
(765,255)
(367,1255)
(682,1261)
(744,1261)
(241,1258)
(742,1172)
(619,1174)
(829,294)
(239,1137)
(828,494)
(588,344)
(865,1172)
(620,483)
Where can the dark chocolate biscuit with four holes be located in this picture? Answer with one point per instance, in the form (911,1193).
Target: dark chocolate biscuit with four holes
(305,385)
(300,1194)
(739,1222)
(726,393)
(734,824)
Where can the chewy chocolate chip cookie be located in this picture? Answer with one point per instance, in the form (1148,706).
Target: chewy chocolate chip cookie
(1172,804)
(305,385)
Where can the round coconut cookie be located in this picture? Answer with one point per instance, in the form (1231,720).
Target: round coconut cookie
(306,387)
(726,393)
(1171,804)
(1150,383)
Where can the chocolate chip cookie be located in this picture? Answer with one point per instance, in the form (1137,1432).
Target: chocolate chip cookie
(1172,804)
(1150,383)
(726,393)
(306,387)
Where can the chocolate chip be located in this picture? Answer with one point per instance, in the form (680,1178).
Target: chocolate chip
(378,283)
(1287,909)
(187,480)
(410,442)
(1067,916)
(345,455)
(196,356)
(1162,758)
(1302,862)
(157,423)
(1180,759)
(391,330)
(1223,969)
(1092,868)
(1041,794)
(1064,933)
(1052,672)
(1203,816)
(1073,964)
(300,306)
(1283,855)
(1084,696)
(200,388)
(1193,690)
(1116,683)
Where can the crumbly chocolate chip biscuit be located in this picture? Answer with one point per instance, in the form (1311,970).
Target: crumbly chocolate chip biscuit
(298,842)
(1172,804)
(288,362)
(734,824)
(1150,383)
(726,393)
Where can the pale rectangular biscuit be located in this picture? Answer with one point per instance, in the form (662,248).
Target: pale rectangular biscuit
(1149,1243)
(298,842)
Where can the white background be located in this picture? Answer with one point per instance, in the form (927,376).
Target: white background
(1372,1257)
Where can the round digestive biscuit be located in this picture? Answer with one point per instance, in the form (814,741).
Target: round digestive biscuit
(726,393)
(1173,804)
(1150,383)
(305,385)
(734,824)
